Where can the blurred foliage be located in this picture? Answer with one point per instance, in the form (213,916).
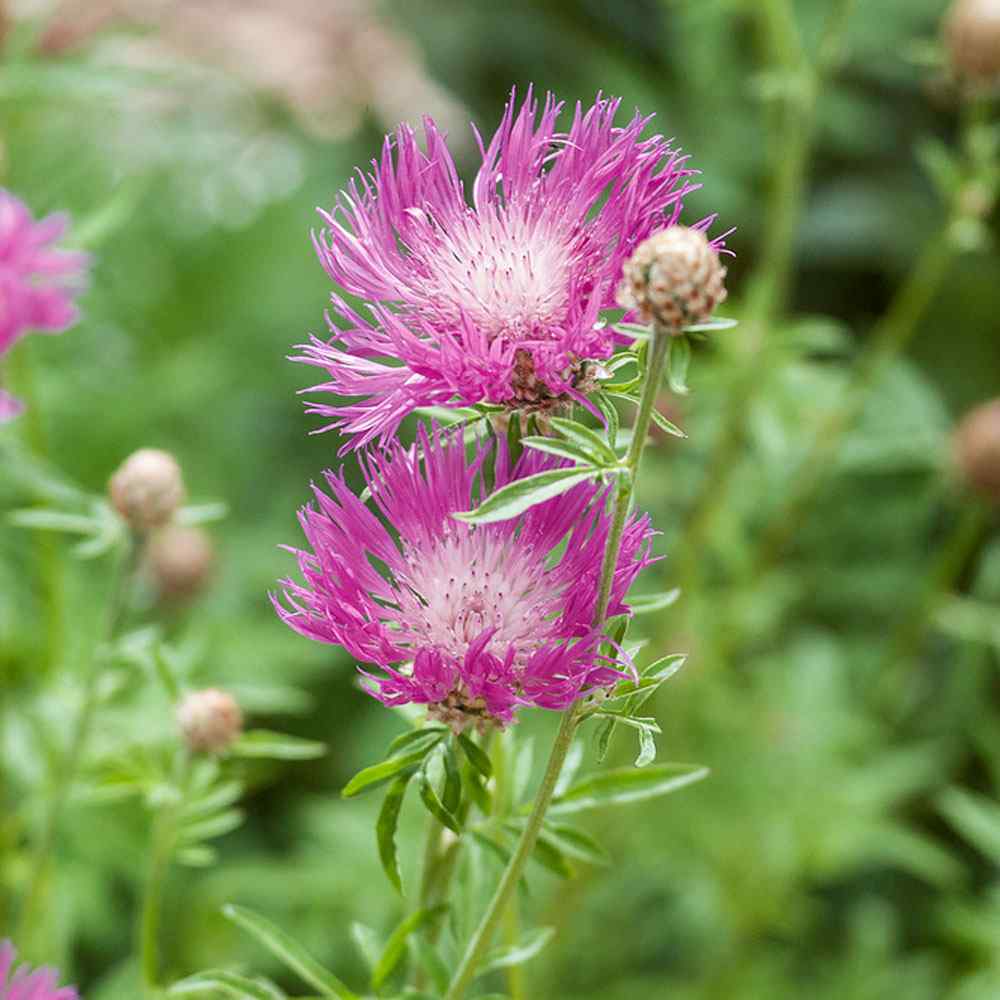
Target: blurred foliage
(847,843)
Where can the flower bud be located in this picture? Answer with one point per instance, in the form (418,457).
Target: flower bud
(674,278)
(210,720)
(972,37)
(179,561)
(977,449)
(147,488)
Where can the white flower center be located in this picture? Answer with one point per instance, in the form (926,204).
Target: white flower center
(472,582)
(508,273)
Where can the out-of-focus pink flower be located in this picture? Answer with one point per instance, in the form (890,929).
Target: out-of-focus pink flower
(23,983)
(38,280)
(496,301)
(470,620)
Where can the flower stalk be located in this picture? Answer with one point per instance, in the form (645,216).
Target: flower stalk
(483,935)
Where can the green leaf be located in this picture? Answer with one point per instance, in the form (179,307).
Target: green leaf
(503,958)
(385,829)
(452,797)
(678,361)
(42,519)
(434,805)
(642,604)
(564,449)
(975,817)
(665,425)
(378,774)
(207,829)
(430,961)
(647,747)
(368,943)
(428,736)
(547,853)
(288,951)
(229,983)
(602,739)
(625,785)
(712,325)
(516,497)
(577,843)
(276,746)
(586,438)
(478,757)
(610,412)
(395,947)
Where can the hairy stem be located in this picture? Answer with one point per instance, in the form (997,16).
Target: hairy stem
(483,935)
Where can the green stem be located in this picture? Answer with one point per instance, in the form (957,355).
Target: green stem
(887,341)
(79,738)
(483,935)
(769,290)
(149,919)
(944,572)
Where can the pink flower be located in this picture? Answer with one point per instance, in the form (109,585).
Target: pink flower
(38,281)
(21,983)
(471,620)
(496,301)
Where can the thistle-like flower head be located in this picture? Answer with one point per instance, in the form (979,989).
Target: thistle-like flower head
(471,620)
(498,300)
(24,983)
(38,281)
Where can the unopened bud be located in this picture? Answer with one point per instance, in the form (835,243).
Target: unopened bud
(180,561)
(977,449)
(674,278)
(148,488)
(210,720)
(972,36)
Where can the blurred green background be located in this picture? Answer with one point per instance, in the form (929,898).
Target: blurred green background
(842,679)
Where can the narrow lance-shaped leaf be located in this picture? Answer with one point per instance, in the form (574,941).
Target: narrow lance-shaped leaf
(395,947)
(516,497)
(478,757)
(382,772)
(434,805)
(385,829)
(563,449)
(625,785)
(276,746)
(289,951)
(678,361)
(230,984)
(527,948)
(586,438)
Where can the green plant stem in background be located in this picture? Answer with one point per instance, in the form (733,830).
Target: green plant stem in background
(483,935)
(50,566)
(76,748)
(793,145)
(887,341)
(149,916)
(944,572)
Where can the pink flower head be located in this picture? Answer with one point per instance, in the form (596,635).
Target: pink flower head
(38,281)
(496,301)
(471,620)
(21,983)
